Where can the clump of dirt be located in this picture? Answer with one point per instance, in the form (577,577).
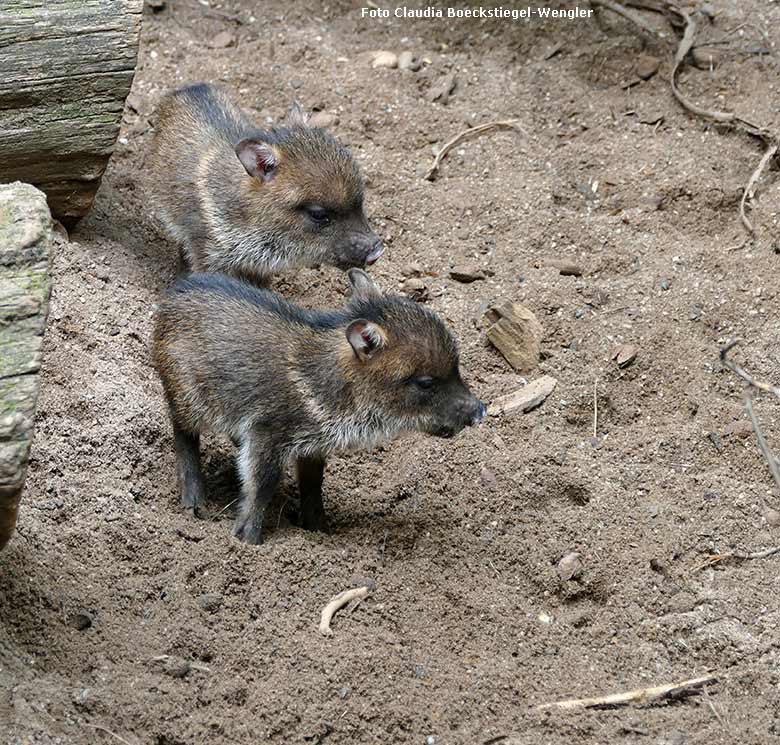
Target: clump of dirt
(122,615)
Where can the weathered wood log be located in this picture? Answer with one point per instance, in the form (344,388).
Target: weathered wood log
(25,284)
(66,67)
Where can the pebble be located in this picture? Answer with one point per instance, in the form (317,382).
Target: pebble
(665,284)
(625,354)
(382,58)
(441,91)
(704,58)
(647,66)
(516,333)
(407,61)
(223,40)
(579,313)
(430,740)
(570,566)
(415,288)
(467,274)
(209,601)
(176,667)
(412,270)
(488,478)
(567,268)
(772,517)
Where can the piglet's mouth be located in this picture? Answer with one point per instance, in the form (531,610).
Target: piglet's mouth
(375,254)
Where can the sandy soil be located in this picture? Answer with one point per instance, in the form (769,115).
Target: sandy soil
(470,626)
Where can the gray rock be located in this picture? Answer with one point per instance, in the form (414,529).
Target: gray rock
(25,285)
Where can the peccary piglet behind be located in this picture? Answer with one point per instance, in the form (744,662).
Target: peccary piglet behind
(250,202)
(284,382)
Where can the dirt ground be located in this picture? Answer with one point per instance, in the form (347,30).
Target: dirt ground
(470,626)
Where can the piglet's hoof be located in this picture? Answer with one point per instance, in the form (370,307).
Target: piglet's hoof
(248,531)
(314,522)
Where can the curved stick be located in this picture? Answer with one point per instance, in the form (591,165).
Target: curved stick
(337,602)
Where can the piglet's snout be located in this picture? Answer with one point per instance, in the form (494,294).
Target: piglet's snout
(470,411)
(479,414)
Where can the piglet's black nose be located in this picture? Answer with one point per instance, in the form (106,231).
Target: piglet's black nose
(480,413)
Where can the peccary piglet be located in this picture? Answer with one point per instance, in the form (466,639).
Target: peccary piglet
(250,202)
(284,382)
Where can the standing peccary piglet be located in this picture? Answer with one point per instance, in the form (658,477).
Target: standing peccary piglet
(250,202)
(286,382)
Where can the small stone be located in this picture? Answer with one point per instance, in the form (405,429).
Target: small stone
(81,620)
(579,313)
(625,354)
(412,270)
(488,478)
(467,274)
(323,119)
(419,671)
(570,566)
(442,90)
(176,667)
(384,59)
(524,400)
(516,333)
(653,116)
(647,66)
(210,601)
(665,284)
(344,692)
(772,517)
(223,40)
(415,288)
(705,58)
(407,61)
(567,268)
(430,740)
(545,618)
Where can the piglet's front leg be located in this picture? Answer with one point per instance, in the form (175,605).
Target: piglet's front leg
(310,473)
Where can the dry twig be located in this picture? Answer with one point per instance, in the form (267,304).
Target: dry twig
(107,731)
(337,602)
(468,134)
(638,696)
(595,407)
(748,192)
(753,385)
(629,15)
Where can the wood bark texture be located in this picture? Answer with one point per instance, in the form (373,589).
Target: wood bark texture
(66,67)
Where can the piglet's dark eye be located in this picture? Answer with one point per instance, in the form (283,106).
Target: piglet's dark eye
(318,215)
(424,382)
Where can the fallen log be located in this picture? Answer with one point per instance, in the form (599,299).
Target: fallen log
(67,67)
(25,284)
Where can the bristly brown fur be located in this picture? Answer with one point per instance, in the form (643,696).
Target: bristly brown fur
(252,224)
(286,382)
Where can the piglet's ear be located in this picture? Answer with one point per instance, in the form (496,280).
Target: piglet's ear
(297,117)
(363,287)
(258,158)
(366,338)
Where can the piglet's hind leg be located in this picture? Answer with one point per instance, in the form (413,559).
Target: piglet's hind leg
(260,470)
